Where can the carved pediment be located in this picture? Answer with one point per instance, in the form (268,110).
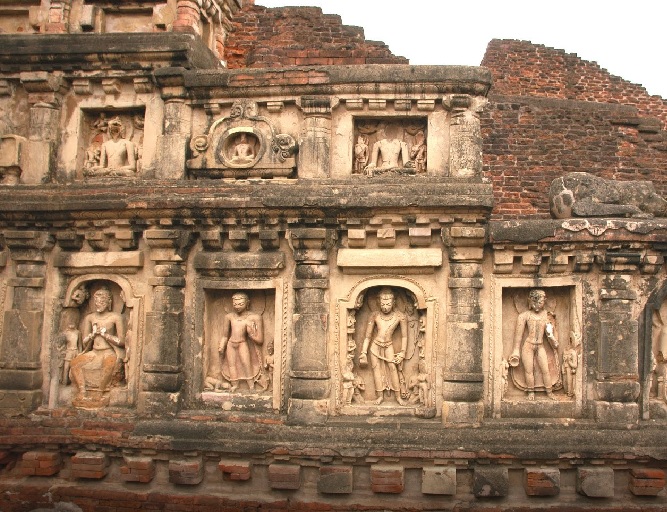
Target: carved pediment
(241,145)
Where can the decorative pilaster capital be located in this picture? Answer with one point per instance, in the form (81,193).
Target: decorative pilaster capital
(168,245)
(320,106)
(311,245)
(43,88)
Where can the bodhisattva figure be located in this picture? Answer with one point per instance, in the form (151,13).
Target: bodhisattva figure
(117,155)
(384,362)
(243,150)
(103,340)
(418,152)
(532,327)
(391,150)
(360,154)
(242,333)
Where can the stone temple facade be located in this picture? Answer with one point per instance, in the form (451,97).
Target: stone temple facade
(251,261)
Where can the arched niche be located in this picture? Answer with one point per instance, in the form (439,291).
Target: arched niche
(76,305)
(355,383)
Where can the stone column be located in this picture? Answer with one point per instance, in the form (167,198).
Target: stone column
(44,96)
(162,366)
(463,378)
(315,139)
(172,144)
(309,371)
(465,135)
(20,367)
(617,384)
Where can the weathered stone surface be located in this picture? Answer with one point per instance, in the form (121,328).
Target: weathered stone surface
(439,480)
(595,482)
(491,482)
(581,194)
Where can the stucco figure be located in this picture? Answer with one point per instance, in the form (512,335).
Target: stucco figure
(388,153)
(103,346)
(570,364)
(243,151)
(117,155)
(581,194)
(360,154)
(418,152)
(529,348)
(378,345)
(242,333)
(73,346)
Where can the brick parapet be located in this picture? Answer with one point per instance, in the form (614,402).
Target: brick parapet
(293,36)
(530,141)
(521,68)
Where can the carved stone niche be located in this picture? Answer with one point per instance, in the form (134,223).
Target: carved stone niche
(396,146)
(537,359)
(111,144)
(94,353)
(384,354)
(243,349)
(242,145)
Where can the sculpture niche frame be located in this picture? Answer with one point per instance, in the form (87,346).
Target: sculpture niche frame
(119,396)
(507,294)
(206,302)
(348,338)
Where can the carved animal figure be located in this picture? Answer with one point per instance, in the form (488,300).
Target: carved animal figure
(581,194)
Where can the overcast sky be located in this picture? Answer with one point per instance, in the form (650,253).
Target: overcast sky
(625,38)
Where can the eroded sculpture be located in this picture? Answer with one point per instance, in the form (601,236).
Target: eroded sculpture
(379,348)
(242,332)
(581,194)
(111,152)
(102,353)
(535,347)
(389,146)
(387,356)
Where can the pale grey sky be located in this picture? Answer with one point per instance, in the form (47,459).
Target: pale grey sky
(625,38)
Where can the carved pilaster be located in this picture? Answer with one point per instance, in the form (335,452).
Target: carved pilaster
(465,158)
(162,368)
(44,95)
(617,386)
(20,373)
(315,140)
(309,372)
(462,373)
(172,144)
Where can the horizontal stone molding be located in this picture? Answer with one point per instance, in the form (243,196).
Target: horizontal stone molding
(394,258)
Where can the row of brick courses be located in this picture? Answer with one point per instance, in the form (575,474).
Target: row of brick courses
(588,121)
(528,142)
(521,68)
(264,37)
(487,482)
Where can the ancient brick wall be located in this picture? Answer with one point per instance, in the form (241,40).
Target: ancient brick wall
(295,36)
(521,68)
(550,113)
